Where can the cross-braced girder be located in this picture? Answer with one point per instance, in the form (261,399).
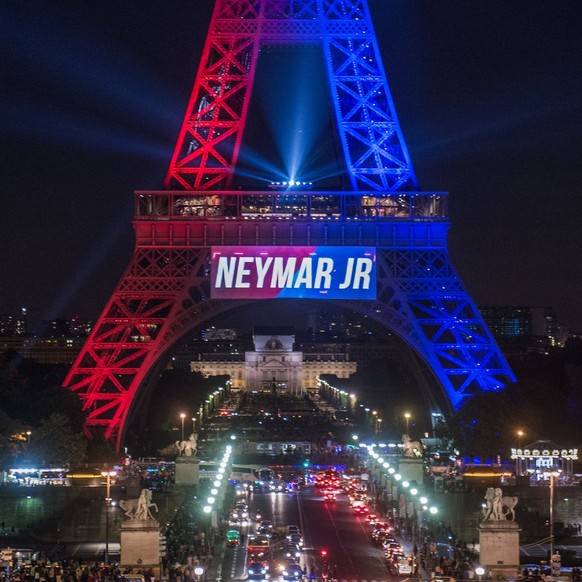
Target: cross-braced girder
(209,143)
(165,293)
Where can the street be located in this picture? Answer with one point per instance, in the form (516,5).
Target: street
(331,532)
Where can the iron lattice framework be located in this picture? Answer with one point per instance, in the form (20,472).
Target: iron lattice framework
(208,145)
(165,291)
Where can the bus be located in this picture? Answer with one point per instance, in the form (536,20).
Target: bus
(17,557)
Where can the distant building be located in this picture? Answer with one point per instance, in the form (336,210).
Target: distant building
(275,364)
(213,334)
(330,325)
(44,350)
(536,327)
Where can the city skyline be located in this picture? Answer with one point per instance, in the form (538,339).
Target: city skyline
(489,102)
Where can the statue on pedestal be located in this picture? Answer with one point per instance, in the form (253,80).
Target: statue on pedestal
(497,506)
(187,448)
(411,449)
(140,508)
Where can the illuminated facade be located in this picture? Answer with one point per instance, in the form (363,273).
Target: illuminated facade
(541,459)
(275,364)
(166,290)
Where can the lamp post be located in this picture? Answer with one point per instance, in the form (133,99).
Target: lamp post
(199,570)
(353,399)
(107,474)
(28,433)
(407,418)
(553,474)
(182,417)
(520,434)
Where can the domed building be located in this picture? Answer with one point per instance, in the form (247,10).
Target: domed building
(274,365)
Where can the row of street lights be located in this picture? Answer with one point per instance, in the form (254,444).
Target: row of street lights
(218,482)
(420,503)
(341,398)
(205,409)
(397,478)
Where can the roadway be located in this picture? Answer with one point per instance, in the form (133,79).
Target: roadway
(330,527)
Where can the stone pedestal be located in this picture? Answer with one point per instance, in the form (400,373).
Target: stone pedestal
(411,470)
(140,544)
(187,471)
(499,548)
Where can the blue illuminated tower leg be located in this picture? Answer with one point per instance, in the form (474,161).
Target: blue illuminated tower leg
(434,313)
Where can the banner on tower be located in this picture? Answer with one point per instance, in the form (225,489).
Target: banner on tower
(245,272)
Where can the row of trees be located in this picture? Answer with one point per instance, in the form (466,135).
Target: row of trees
(40,422)
(545,404)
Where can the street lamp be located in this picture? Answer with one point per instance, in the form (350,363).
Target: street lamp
(107,474)
(407,417)
(520,434)
(553,474)
(199,570)
(28,433)
(182,417)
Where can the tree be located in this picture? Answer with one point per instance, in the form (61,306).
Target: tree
(9,446)
(486,426)
(56,443)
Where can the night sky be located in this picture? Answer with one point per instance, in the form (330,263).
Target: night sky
(92,95)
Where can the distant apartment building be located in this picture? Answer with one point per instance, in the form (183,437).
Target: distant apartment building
(536,327)
(44,350)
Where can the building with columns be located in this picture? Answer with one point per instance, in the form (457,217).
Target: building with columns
(275,365)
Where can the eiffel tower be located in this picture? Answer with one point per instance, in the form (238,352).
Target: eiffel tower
(171,284)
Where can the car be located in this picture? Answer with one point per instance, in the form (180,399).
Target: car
(257,571)
(232,538)
(276,486)
(291,570)
(380,536)
(372,519)
(292,488)
(264,531)
(296,540)
(291,529)
(329,498)
(361,509)
(236,521)
(402,564)
(391,546)
(293,556)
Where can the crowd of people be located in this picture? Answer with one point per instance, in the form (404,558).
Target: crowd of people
(45,570)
